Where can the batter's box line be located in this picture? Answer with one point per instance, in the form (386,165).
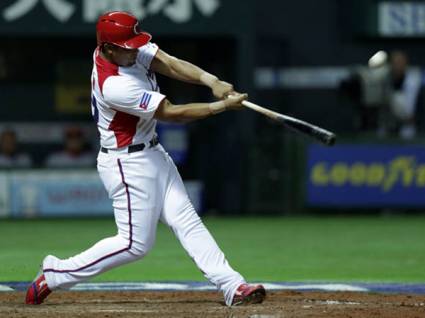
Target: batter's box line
(204,286)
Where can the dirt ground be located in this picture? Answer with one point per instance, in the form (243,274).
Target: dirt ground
(279,304)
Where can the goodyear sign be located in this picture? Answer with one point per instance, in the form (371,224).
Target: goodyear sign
(366,176)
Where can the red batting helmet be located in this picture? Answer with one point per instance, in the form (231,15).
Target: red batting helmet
(120,28)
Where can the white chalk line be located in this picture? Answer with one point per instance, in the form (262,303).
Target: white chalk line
(205,287)
(4,288)
(326,287)
(337,302)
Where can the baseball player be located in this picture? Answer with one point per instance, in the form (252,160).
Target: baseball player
(139,176)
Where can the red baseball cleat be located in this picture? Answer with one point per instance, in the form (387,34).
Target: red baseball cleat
(249,294)
(37,291)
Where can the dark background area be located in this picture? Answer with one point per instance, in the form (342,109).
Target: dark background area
(243,160)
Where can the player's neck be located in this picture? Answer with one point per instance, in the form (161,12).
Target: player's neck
(105,56)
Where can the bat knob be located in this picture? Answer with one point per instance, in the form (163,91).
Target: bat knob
(330,140)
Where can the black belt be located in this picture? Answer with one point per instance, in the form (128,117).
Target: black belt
(135,148)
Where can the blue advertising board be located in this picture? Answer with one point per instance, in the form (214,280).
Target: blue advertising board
(174,138)
(42,193)
(366,176)
(58,193)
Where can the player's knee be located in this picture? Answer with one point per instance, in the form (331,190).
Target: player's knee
(140,249)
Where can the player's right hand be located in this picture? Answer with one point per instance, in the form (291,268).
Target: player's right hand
(234,101)
(222,89)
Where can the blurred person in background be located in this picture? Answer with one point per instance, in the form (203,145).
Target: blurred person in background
(387,93)
(10,157)
(404,91)
(74,154)
(368,87)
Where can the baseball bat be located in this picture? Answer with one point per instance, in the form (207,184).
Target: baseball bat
(324,136)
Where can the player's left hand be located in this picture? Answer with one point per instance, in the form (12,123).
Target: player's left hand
(222,89)
(234,101)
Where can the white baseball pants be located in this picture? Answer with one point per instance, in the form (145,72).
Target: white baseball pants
(145,186)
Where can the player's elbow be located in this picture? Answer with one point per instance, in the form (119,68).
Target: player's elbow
(174,62)
(177,67)
(170,113)
(171,62)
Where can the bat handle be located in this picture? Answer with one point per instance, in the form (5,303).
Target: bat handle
(260,109)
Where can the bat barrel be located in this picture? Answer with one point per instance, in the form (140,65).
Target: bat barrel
(324,136)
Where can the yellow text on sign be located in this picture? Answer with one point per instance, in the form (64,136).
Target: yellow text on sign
(402,170)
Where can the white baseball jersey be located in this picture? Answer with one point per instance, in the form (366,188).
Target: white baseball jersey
(145,186)
(124,99)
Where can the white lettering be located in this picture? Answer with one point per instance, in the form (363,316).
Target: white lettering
(60,9)
(18,9)
(401,19)
(207,8)
(178,11)
(181,10)
(93,9)
(420,18)
(155,6)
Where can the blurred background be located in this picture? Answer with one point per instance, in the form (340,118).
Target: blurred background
(353,67)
